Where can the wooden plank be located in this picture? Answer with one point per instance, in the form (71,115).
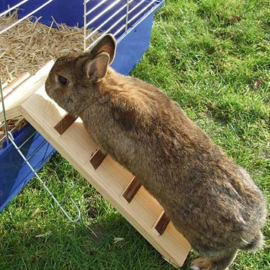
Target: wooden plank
(13,101)
(96,158)
(8,89)
(111,179)
(132,189)
(65,123)
(161,224)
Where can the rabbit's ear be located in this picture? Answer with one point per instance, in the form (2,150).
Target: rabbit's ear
(108,45)
(96,68)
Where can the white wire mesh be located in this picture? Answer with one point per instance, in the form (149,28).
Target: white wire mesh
(121,18)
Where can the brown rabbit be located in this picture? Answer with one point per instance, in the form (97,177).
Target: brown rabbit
(212,201)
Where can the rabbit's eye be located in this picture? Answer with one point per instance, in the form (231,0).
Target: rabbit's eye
(62,80)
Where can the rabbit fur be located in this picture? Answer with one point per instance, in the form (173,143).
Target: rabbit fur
(211,200)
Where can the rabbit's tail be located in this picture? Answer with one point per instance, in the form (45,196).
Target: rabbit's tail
(256,244)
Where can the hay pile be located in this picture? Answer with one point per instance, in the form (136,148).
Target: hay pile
(29,45)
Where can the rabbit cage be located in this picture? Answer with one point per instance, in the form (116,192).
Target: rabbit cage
(24,151)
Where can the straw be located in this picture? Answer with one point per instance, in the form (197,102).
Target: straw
(30,44)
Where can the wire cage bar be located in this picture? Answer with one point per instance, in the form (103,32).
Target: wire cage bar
(118,18)
(43,183)
(13,7)
(23,18)
(10,139)
(4,111)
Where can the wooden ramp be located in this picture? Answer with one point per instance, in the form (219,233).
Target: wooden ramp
(117,185)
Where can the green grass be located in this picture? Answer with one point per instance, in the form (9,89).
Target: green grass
(213,58)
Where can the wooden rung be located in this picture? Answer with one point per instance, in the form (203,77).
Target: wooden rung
(97,158)
(65,123)
(161,224)
(131,190)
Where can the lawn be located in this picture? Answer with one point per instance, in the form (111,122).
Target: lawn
(212,58)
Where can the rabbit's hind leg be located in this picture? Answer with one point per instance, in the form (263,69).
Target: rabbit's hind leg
(202,264)
(222,263)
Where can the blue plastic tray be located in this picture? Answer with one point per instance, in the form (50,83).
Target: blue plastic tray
(71,12)
(14,172)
